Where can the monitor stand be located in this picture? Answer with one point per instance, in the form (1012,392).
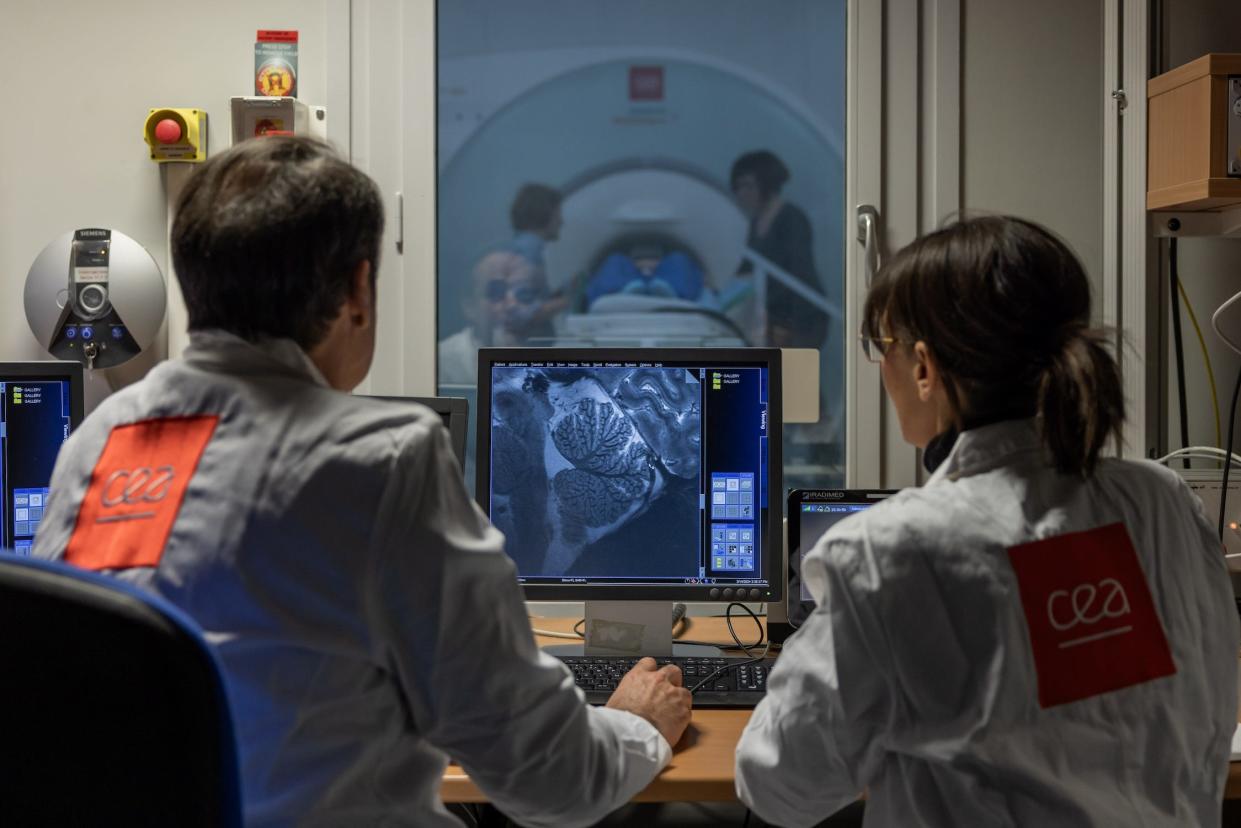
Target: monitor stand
(631,628)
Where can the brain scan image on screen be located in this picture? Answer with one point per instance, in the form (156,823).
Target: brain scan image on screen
(592,469)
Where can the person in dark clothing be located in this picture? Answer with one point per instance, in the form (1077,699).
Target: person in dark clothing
(781,233)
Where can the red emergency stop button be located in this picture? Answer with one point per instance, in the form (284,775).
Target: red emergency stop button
(168,131)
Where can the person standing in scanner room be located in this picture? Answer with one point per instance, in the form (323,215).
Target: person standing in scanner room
(1036,636)
(367,619)
(536,219)
(781,233)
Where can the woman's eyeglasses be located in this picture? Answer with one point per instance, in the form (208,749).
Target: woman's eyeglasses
(875,348)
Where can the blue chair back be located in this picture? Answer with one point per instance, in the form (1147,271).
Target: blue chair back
(112,706)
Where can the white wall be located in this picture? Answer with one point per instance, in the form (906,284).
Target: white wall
(1032,117)
(78,79)
(1027,116)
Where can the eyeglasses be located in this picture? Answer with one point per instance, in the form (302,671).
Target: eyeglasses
(497,290)
(875,348)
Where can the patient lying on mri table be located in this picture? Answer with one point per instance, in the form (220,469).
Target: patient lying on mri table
(649,271)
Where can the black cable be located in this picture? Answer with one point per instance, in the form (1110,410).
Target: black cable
(1174,285)
(728,619)
(719,670)
(762,634)
(714,315)
(1232,422)
(746,824)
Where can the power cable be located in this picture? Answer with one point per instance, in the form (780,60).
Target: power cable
(1173,285)
(1232,422)
(1206,359)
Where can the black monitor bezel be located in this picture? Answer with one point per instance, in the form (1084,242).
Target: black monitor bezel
(774,532)
(458,411)
(53,369)
(796,497)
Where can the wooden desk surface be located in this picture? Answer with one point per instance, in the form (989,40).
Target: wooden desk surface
(701,769)
(702,762)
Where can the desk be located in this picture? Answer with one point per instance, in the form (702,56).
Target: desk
(702,763)
(701,769)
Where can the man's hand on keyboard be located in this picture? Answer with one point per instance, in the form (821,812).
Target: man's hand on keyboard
(657,696)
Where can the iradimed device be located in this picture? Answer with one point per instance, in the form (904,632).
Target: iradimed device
(811,513)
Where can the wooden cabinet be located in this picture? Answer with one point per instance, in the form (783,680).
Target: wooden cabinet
(1187,136)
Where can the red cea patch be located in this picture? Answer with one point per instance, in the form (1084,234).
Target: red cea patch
(1092,622)
(136,491)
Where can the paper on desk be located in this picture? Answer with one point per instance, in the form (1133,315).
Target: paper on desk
(1236,744)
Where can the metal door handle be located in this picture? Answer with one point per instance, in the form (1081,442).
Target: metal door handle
(400,223)
(868,235)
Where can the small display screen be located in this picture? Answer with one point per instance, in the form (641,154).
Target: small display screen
(816,519)
(812,513)
(34,423)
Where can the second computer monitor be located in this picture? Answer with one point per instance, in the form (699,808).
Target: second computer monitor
(634,474)
(40,403)
(454,413)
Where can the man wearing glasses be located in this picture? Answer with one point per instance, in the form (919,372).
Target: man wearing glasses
(505,311)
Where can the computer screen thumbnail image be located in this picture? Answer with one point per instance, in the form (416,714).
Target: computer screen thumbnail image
(39,405)
(635,470)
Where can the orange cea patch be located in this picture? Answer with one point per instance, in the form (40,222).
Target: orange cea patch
(136,491)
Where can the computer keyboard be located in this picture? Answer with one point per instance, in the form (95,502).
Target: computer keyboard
(730,682)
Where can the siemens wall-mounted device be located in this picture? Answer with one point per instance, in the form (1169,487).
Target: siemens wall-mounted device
(453,411)
(40,403)
(635,474)
(96,296)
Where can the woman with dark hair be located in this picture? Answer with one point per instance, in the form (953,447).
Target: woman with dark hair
(780,232)
(1037,635)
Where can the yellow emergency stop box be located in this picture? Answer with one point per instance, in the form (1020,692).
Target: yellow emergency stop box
(176,134)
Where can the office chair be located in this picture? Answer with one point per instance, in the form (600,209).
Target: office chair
(112,707)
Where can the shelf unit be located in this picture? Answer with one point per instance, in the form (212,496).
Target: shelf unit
(1192,161)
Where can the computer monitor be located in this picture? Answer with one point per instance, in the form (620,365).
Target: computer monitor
(455,414)
(634,474)
(40,403)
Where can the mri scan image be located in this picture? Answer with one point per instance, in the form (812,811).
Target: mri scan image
(595,470)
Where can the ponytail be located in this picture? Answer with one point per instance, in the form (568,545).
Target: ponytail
(1004,306)
(1080,402)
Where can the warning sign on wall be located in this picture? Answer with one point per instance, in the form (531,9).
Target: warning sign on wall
(275,63)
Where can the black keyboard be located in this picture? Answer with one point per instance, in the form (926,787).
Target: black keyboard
(729,682)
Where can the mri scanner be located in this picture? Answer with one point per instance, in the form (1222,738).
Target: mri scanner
(634,168)
(631,168)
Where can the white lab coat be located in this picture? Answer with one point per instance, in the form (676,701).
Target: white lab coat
(914,679)
(369,624)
